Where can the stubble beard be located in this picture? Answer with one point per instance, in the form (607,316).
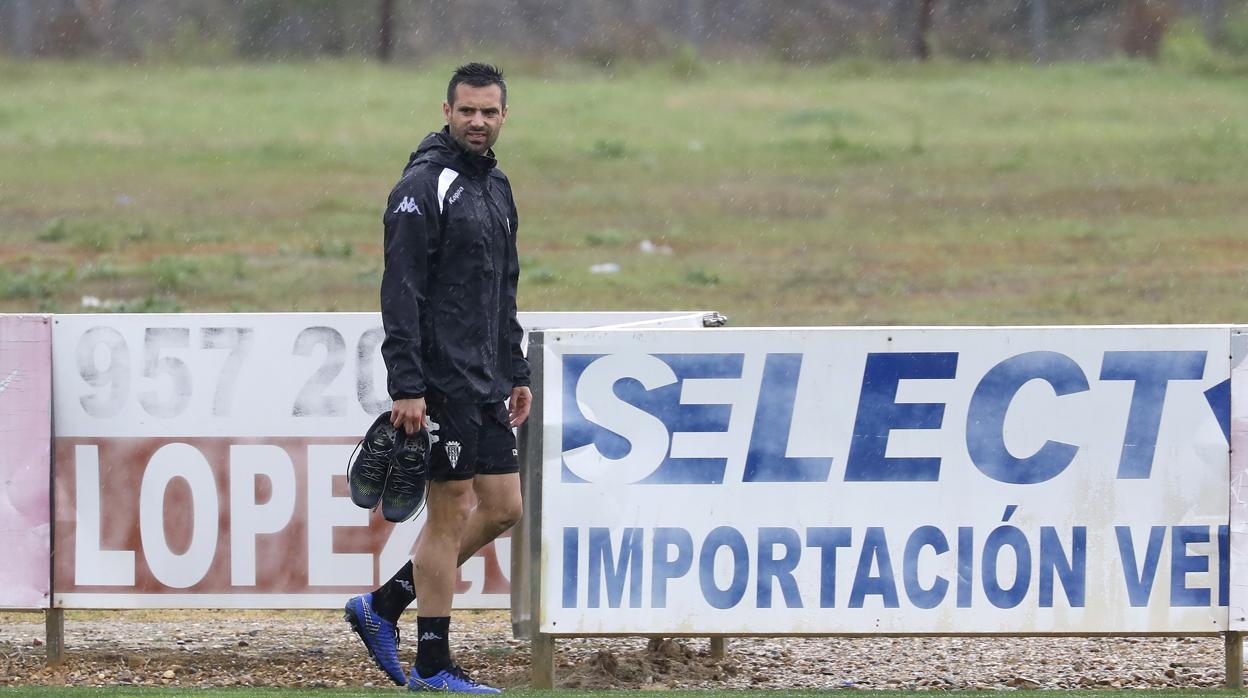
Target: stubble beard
(462,139)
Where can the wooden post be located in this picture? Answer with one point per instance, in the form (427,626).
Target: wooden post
(1234,659)
(542,672)
(385,31)
(526,543)
(719,647)
(54,635)
(919,45)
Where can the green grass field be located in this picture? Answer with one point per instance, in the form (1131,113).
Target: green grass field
(36,691)
(855,193)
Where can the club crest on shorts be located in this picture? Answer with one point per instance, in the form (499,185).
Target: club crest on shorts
(452,452)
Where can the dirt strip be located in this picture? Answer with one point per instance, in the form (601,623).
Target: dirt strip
(316,649)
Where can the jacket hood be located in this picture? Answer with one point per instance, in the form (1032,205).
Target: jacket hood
(440,149)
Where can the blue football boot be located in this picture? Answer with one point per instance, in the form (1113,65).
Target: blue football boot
(380,636)
(450,680)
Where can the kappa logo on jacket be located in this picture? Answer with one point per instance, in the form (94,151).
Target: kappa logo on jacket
(408,205)
(454,197)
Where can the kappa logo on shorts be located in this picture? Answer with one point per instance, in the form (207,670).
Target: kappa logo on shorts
(452,452)
(432,428)
(408,205)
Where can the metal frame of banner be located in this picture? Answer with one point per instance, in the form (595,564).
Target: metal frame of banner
(53,615)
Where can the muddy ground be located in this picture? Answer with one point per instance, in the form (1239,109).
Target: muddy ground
(317,649)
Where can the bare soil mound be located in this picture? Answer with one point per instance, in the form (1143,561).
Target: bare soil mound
(662,663)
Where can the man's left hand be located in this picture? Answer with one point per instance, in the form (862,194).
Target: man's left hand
(518,406)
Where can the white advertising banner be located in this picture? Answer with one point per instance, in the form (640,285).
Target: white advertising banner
(25,460)
(885,480)
(201,461)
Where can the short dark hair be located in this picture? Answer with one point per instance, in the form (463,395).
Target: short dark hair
(476,75)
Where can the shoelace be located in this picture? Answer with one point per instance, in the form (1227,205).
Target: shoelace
(372,464)
(404,483)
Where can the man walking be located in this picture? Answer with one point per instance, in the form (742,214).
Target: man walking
(453,356)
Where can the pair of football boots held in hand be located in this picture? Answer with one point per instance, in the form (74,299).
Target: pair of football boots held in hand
(390,468)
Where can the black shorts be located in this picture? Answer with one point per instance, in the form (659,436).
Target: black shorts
(470,439)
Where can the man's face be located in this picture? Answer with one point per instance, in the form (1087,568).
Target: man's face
(476,117)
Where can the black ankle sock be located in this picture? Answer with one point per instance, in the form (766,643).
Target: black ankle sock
(395,595)
(433,650)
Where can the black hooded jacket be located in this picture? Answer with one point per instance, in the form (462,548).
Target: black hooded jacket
(448,293)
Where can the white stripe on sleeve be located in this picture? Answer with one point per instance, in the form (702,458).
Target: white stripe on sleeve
(444,184)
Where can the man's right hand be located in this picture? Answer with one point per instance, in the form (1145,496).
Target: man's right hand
(408,415)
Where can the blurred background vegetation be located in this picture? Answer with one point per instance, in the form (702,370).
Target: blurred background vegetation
(609,31)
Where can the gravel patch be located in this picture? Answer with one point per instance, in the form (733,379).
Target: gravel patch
(317,649)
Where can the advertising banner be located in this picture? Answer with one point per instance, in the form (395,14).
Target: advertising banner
(201,462)
(25,460)
(885,480)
